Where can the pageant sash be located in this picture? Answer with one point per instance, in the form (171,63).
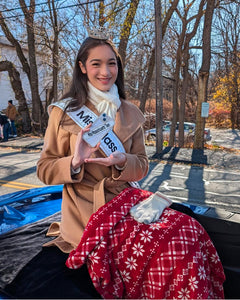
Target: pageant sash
(82,117)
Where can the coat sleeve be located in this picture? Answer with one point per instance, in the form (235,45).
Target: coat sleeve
(54,165)
(137,160)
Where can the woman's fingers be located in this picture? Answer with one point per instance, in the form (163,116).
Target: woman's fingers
(85,129)
(114,159)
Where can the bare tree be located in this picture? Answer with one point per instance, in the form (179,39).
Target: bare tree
(30,68)
(151,63)
(182,33)
(188,36)
(56,24)
(204,74)
(227,52)
(37,107)
(55,50)
(126,28)
(19,93)
(42,38)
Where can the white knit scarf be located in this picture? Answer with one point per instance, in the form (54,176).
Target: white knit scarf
(105,102)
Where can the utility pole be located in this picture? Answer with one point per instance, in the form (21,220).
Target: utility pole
(159,78)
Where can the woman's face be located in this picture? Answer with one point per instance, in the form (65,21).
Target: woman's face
(101,67)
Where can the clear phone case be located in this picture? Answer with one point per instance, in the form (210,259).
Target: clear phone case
(100,127)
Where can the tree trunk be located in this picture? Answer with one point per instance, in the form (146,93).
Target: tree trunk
(16,44)
(204,75)
(175,114)
(235,79)
(147,81)
(101,9)
(55,67)
(37,107)
(55,50)
(126,29)
(183,98)
(185,62)
(159,77)
(29,68)
(175,105)
(19,93)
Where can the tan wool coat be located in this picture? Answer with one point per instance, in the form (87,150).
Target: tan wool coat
(95,185)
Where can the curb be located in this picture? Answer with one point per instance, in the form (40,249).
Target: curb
(216,158)
(182,155)
(30,147)
(26,143)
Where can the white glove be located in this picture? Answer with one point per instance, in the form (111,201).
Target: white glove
(150,209)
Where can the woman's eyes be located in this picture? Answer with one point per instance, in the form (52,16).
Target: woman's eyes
(112,63)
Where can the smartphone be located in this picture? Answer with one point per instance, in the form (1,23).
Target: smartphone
(100,127)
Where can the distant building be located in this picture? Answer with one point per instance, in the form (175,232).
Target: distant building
(8,52)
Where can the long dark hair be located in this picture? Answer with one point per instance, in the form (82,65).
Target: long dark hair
(78,90)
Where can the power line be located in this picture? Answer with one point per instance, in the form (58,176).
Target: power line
(38,12)
(16,8)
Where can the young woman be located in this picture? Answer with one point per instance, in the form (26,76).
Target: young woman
(111,241)
(91,176)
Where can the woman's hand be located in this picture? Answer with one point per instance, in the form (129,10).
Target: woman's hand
(82,149)
(116,158)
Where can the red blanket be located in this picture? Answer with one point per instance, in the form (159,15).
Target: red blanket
(171,258)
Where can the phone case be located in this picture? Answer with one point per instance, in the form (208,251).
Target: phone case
(100,127)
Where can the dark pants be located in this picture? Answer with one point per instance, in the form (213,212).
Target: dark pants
(47,277)
(12,128)
(5,131)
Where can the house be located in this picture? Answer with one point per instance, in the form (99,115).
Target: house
(8,52)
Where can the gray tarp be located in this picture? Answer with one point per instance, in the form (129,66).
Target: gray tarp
(19,246)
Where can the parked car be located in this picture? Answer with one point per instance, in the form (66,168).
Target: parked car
(189,132)
(207,135)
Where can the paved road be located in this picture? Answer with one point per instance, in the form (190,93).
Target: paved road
(18,170)
(225,137)
(195,184)
(191,183)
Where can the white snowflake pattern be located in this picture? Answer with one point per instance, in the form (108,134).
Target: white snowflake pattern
(184,294)
(207,252)
(169,212)
(134,197)
(138,249)
(146,236)
(155,225)
(125,275)
(214,258)
(164,219)
(93,257)
(193,283)
(103,270)
(131,263)
(201,272)
(102,244)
